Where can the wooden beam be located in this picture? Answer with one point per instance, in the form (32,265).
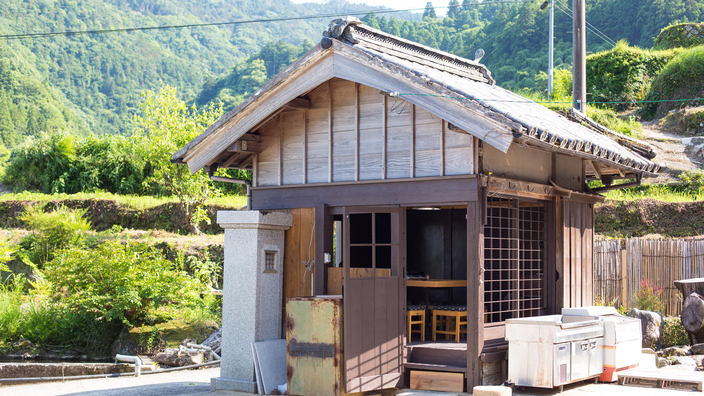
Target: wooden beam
(413,141)
(594,169)
(298,104)
(245,146)
(323,244)
(255,170)
(419,191)
(281,151)
(329,131)
(305,147)
(356,131)
(475,291)
(230,161)
(442,148)
(384,142)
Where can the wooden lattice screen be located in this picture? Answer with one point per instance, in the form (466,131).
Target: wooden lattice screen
(514,259)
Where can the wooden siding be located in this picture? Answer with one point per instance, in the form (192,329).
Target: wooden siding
(576,271)
(351,132)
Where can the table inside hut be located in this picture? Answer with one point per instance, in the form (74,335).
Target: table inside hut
(435,284)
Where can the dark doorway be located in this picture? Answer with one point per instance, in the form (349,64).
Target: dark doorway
(437,247)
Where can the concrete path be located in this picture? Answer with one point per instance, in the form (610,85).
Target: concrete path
(197,383)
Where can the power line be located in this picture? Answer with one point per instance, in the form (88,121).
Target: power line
(589,26)
(396,94)
(229,23)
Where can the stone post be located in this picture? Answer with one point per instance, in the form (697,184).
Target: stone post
(252,291)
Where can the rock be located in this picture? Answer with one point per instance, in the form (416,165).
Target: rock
(675,351)
(699,359)
(492,391)
(684,360)
(651,326)
(662,362)
(179,356)
(697,349)
(648,351)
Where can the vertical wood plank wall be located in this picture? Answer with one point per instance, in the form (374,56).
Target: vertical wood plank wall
(297,282)
(577,271)
(370,137)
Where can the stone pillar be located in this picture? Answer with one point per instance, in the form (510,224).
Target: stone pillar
(252,291)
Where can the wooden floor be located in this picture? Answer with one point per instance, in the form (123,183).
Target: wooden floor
(444,344)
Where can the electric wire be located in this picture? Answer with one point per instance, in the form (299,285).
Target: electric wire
(565,9)
(230,23)
(398,95)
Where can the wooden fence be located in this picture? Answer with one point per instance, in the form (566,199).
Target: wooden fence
(622,266)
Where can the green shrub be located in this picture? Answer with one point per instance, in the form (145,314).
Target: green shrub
(681,80)
(56,163)
(623,73)
(683,35)
(52,231)
(121,283)
(673,332)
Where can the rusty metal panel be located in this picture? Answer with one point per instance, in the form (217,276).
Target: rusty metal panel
(314,346)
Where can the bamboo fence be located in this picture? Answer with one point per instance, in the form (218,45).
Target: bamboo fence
(623,267)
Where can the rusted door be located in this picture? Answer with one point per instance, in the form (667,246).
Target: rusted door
(374,268)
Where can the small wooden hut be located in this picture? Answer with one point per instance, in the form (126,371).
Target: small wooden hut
(400,161)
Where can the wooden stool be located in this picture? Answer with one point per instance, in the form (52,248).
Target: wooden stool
(453,321)
(419,314)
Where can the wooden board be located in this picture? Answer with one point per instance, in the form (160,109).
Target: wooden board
(296,246)
(436,283)
(351,132)
(437,381)
(663,378)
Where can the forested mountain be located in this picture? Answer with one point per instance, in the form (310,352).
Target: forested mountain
(93,83)
(514,36)
(97,79)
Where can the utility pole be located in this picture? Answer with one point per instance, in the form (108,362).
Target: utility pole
(579,58)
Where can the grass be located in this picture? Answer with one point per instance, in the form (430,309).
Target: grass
(132,201)
(657,192)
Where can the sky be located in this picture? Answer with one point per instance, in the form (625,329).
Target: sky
(395,4)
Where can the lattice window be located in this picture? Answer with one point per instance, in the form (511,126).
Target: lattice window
(514,259)
(270,261)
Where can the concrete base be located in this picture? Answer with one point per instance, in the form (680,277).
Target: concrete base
(219,383)
(492,391)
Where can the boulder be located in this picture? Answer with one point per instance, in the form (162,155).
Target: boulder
(697,349)
(662,362)
(651,326)
(648,351)
(699,359)
(684,361)
(180,356)
(675,351)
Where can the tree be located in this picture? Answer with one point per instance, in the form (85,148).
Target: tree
(166,125)
(429,11)
(453,9)
(467,4)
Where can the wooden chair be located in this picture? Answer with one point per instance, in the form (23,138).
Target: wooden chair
(453,319)
(415,314)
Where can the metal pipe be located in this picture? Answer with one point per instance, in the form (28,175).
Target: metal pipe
(203,347)
(91,376)
(134,359)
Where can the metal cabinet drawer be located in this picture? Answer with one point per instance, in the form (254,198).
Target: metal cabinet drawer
(596,356)
(580,360)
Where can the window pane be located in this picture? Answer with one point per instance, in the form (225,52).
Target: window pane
(383,256)
(360,257)
(360,228)
(383,228)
